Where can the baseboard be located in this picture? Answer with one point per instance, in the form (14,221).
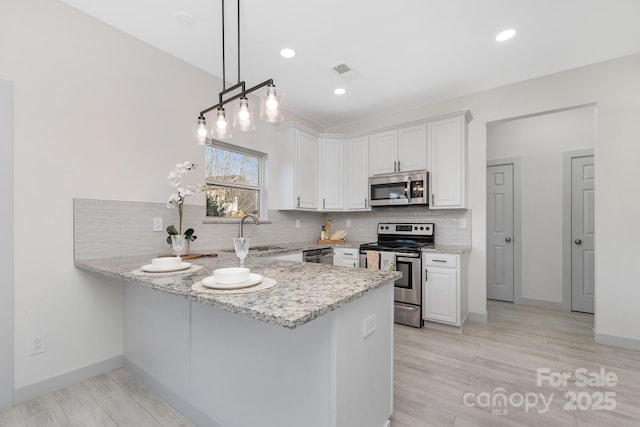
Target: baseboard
(387,424)
(615,341)
(181,405)
(551,305)
(58,382)
(477,317)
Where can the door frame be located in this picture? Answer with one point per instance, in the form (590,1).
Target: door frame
(516,163)
(6,247)
(567,157)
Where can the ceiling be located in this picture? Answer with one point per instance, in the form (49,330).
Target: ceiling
(407,52)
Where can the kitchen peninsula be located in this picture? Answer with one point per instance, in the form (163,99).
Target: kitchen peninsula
(314,350)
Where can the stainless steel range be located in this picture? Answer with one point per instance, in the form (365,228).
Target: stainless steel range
(402,243)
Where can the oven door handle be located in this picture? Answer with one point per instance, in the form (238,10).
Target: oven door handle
(407,257)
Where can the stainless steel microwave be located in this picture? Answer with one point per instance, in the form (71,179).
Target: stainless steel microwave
(399,189)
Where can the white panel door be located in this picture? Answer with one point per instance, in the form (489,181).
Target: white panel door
(332,161)
(412,148)
(357,172)
(441,295)
(500,277)
(306,171)
(582,234)
(383,152)
(6,245)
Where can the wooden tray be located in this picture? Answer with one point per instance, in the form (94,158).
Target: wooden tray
(331,242)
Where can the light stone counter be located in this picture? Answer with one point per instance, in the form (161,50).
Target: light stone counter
(448,249)
(304,291)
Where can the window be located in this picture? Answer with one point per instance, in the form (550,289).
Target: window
(235,181)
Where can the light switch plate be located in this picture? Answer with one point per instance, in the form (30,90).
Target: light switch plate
(463,222)
(348,223)
(369,325)
(157,223)
(297,223)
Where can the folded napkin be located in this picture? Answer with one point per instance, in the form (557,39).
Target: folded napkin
(373,260)
(387,261)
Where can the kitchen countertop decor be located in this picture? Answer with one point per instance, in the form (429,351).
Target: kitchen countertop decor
(304,291)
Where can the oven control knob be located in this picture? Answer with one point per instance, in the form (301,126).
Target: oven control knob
(387,227)
(421,228)
(415,228)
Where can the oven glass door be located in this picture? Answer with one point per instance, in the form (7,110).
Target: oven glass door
(392,192)
(408,289)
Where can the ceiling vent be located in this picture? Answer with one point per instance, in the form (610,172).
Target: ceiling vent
(346,72)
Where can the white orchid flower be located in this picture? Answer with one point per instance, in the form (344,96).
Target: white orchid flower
(180,168)
(174,178)
(188,165)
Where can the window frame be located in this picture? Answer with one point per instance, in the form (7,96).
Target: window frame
(262,179)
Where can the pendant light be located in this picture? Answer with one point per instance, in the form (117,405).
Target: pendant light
(270,102)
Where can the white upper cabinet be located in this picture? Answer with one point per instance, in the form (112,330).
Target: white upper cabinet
(332,153)
(383,153)
(412,148)
(306,168)
(398,150)
(448,161)
(297,153)
(357,173)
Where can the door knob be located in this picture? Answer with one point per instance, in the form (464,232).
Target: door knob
(508,239)
(578,242)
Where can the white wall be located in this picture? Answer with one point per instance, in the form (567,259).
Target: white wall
(99,115)
(615,87)
(6,245)
(539,142)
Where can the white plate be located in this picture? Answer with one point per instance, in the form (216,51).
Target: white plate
(210,282)
(150,268)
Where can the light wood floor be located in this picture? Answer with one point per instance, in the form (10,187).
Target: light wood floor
(434,370)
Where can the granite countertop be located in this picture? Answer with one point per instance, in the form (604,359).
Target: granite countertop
(304,291)
(448,249)
(280,249)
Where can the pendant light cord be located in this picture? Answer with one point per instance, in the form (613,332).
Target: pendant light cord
(224,79)
(238,41)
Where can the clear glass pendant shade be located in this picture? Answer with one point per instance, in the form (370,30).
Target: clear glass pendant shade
(243,115)
(202,131)
(221,127)
(271,105)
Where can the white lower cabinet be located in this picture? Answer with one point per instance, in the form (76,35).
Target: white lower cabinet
(346,257)
(444,288)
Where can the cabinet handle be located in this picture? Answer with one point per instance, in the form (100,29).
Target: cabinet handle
(439,260)
(366,202)
(433,199)
(298,201)
(398,165)
(323,203)
(395,166)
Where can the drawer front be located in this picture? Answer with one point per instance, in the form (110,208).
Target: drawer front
(440,260)
(351,254)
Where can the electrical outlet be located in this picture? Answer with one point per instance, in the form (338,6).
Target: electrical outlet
(157,224)
(348,223)
(463,223)
(297,223)
(369,325)
(38,344)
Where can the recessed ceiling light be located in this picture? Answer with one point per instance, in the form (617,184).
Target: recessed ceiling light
(340,91)
(506,35)
(184,18)
(287,53)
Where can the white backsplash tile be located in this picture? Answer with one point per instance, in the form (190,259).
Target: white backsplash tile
(107,228)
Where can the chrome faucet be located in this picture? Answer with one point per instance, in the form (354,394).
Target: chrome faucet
(244,218)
